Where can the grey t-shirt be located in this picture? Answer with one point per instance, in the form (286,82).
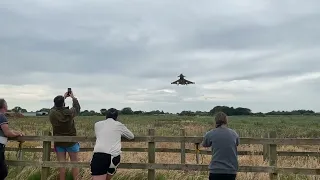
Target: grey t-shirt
(223,142)
(3,120)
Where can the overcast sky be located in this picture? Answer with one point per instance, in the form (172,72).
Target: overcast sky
(264,55)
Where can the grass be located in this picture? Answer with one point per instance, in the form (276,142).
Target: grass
(286,126)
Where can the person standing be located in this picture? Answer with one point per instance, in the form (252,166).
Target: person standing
(5,132)
(223,142)
(107,149)
(62,121)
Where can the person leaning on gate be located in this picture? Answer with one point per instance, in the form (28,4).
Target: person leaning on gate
(223,142)
(62,121)
(107,149)
(5,132)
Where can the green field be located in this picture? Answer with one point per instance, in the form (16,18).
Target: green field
(170,125)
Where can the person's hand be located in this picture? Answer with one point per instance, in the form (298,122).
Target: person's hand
(18,133)
(65,95)
(71,95)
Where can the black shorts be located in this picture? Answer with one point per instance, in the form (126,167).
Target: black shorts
(222,176)
(103,163)
(3,165)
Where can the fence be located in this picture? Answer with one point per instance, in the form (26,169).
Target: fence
(269,153)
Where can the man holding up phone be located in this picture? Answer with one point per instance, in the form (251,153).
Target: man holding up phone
(62,120)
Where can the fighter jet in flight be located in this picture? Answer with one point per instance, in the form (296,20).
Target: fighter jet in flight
(182,81)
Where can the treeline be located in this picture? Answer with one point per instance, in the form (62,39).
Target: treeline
(230,111)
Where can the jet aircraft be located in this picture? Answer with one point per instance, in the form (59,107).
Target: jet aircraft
(182,81)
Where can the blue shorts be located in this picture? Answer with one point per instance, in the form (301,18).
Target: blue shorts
(74,148)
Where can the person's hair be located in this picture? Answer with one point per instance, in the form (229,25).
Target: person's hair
(58,101)
(221,119)
(112,113)
(2,103)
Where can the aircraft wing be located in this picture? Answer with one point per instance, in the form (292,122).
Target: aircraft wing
(175,82)
(188,82)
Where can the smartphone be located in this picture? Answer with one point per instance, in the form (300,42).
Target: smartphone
(69,91)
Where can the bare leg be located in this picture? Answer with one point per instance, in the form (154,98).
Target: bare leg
(109,177)
(74,158)
(61,156)
(101,177)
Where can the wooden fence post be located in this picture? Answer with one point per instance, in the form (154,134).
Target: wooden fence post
(266,149)
(183,147)
(273,156)
(46,156)
(197,152)
(20,155)
(151,155)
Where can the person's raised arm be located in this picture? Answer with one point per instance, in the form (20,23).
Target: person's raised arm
(126,132)
(75,106)
(5,128)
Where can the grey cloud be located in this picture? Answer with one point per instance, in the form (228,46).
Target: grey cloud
(267,74)
(76,56)
(122,47)
(298,32)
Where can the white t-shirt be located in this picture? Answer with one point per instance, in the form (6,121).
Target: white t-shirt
(108,133)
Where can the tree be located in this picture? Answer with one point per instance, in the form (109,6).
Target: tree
(138,112)
(187,113)
(93,112)
(89,113)
(294,112)
(103,111)
(230,111)
(127,111)
(84,113)
(17,109)
(242,111)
